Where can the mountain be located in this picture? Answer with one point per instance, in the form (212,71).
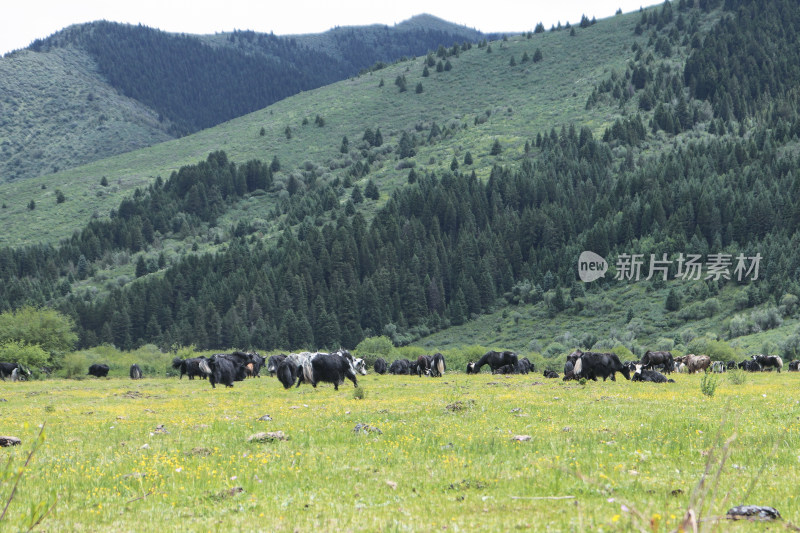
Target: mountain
(446,199)
(102,88)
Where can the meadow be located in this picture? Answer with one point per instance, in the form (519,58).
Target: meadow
(163,454)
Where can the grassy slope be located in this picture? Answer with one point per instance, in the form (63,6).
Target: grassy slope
(56,111)
(522,100)
(607,445)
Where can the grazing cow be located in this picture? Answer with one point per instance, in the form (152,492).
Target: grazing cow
(274,362)
(98,370)
(7,371)
(591,365)
(697,363)
(730,365)
(400,367)
(750,366)
(252,362)
(527,365)
(332,368)
(494,359)
(794,366)
(768,361)
(438,365)
(302,361)
(287,372)
(631,365)
(380,366)
(718,367)
(652,359)
(190,367)
(223,368)
(653,376)
(360,366)
(136,372)
(550,374)
(422,365)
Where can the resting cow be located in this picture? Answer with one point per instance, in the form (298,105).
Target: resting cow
(495,360)
(768,361)
(550,374)
(650,360)
(98,370)
(136,372)
(794,366)
(653,376)
(380,366)
(505,369)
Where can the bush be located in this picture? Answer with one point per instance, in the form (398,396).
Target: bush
(716,350)
(767,319)
(75,364)
(788,304)
(29,355)
(739,326)
(373,347)
(737,376)
(708,385)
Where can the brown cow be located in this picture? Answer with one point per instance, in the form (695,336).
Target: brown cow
(697,363)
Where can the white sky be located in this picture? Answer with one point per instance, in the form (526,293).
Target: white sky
(22,21)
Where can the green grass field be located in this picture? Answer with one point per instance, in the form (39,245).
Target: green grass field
(106,466)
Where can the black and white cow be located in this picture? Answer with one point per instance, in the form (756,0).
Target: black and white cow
(794,366)
(651,360)
(14,371)
(422,365)
(274,362)
(136,372)
(653,376)
(769,361)
(591,365)
(98,370)
(438,365)
(360,365)
(302,367)
(718,367)
(333,368)
(189,367)
(380,366)
(495,360)
(400,367)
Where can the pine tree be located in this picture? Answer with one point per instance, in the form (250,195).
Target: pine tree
(419,88)
(425,72)
(468,158)
(275,166)
(454,164)
(673,302)
(371,191)
(345,147)
(356,195)
(496,148)
(141,267)
(537,55)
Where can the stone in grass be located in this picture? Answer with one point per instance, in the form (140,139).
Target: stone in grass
(753,512)
(366,428)
(265,418)
(268,436)
(9,441)
(522,438)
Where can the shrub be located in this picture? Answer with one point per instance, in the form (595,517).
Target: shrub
(766,319)
(737,376)
(708,385)
(29,355)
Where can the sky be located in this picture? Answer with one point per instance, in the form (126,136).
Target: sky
(23,21)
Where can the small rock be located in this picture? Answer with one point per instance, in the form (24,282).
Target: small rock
(203,452)
(3,400)
(755,512)
(265,418)
(228,493)
(145,446)
(121,417)
(9,441)
(448,446)
(566,429)
(516,410)
(161,429)
(270,436)
(522,438)
(392,484)
(366,428)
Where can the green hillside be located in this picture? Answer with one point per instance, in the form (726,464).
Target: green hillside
(98,89)
(481,91)
(461,223)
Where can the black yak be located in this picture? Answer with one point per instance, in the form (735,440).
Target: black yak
(13,370)
(189,367)
(223,368)
(653,376)
(494,359)
(380,365)
(400,367)
(333,368)
(438,365)
(769,361)
(98,370)
(274,362)
(650,360)
(591,365)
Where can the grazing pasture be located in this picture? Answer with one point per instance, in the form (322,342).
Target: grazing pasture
(173,455)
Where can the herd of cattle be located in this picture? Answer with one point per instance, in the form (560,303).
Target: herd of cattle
(335,367)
